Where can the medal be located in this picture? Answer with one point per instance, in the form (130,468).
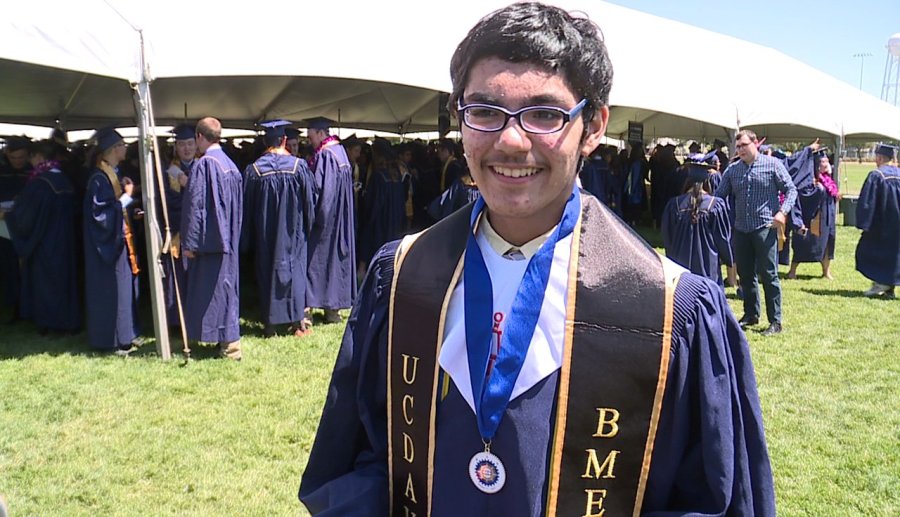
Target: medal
(487,471)
(493,378)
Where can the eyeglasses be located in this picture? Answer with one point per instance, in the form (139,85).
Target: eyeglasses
(538,120)
(741,146)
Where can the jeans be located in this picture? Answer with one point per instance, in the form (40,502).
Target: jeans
(756,253)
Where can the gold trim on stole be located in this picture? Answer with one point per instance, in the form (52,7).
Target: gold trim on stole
(564,373)
(671,274)
(402,250)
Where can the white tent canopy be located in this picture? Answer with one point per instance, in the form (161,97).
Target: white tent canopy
(382,68)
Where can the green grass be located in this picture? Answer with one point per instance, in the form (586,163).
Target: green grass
(82,434)
(852,176)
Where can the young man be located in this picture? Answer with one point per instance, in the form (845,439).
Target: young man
(529,355)
(210,236)
(755,181)
(878,216)
(184,156)
(278,212)
(332,242)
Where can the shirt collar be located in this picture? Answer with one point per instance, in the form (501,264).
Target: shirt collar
(510,251)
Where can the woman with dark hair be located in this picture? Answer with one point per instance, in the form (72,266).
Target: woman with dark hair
(695,227)
(817,244)
(111,268)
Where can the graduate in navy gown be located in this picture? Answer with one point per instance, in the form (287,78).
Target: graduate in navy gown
(210,237)
(593,176)
(878,216)
(13,176)
(387,197)
(696,230)
(43,232)
(461,193)
(818,206)
(452,168)
(332,243)
(111,269)
(278,212)
(173,264)
(459,373)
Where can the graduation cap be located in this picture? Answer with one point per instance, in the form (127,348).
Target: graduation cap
(706,160)
(886,150)
(764,147)
(319,123)
(17,143)
(694,145)
(292,133)
(351,141)
(184,132)
(698,173)
(274,129)
(106,137)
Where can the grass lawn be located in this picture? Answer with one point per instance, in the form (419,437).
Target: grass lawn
(84,434)
(852,176)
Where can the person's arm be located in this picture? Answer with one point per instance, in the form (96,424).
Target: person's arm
(785,186)
(722,231)
(710,456)
(724,189)
(867,205)
(347,469)
(105,218)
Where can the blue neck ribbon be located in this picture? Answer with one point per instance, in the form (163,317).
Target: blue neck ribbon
(491,394)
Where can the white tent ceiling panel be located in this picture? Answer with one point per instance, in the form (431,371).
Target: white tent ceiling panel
(370,74)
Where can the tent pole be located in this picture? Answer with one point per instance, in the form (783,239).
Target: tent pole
(149,191)
(838,149)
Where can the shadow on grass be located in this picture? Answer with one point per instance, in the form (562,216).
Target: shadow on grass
(844,293)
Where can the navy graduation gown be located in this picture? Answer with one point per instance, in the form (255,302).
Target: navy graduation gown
(173,268)
(332,243)
(593,177)
(111,289)
(11,183)
(709,457)
(457,196)
(810,247)
(278,212)
(878,216)
(211,228)
(385,212)
(699,246)
(43,232)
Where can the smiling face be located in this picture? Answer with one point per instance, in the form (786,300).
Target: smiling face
(525,178)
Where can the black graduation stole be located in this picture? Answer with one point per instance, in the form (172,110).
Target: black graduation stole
(611,384)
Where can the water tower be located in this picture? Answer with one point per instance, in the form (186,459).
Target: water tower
(890,88)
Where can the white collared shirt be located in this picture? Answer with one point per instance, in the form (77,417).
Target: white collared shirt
(544,354)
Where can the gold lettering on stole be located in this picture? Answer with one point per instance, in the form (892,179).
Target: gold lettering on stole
(406,418)
(409,451)
(410,491)
(608,417)
(592,501)
(408,513)
(409,377)
(593,468)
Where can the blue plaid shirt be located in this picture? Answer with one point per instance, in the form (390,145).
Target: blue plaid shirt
(755,188)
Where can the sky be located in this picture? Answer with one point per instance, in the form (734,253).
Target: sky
(822,34)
